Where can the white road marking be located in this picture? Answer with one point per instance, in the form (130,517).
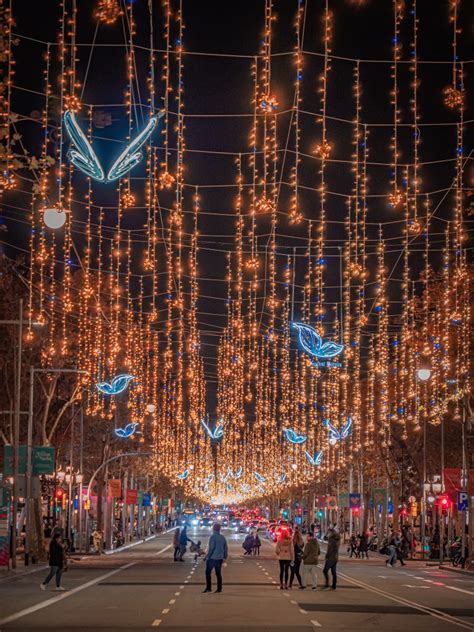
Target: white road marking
(413,586)
(177,594)
(163,550)
(468,592)
(49,602)
(181,587)
(172,601)
(316,623)
(293,602)
(165,611)
(156,622)
(286,594)
(437,614)
(303,611)
(186,581)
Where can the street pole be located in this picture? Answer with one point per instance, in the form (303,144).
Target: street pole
(441,516)
(423,502)
(16,433)
(69,503)
(81,471)
(29,466)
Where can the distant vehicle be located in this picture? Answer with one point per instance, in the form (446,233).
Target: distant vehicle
(206,521)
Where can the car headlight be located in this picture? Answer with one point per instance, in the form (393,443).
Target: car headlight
(194,522)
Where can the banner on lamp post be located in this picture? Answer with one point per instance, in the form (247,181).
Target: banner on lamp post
(131,497)
(115,488)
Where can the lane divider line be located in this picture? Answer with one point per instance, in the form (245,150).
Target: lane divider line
(437,614)
(165,611)
(69,593)
(156,622)
(316,623)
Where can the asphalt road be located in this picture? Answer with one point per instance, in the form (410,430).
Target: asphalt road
(142,589)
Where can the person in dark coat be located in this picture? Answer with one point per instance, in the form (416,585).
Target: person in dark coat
(332,557)
(176,545)
(217,552)
(56,562)
(364,546)
(248,543)
(183,540)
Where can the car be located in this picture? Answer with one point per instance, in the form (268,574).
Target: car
(206,522)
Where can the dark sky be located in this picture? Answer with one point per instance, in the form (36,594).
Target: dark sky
(220,84)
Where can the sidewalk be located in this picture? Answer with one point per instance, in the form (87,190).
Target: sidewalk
(21,570)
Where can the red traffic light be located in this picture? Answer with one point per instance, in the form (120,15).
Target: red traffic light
(58,492)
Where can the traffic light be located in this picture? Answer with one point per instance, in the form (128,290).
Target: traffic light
(320,513)
(59,493)
(355,511)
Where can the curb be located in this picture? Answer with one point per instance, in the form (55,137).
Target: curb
(460,571)
(12,575)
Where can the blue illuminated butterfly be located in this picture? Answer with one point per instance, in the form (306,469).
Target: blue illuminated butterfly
(336,435)
(215,434)
(316,458)
(184,475)
(259,477)
(118,385)
(293,437)
(229,487)
(281,478)
(237,474)
(314,345)
(128,431)
(84,158)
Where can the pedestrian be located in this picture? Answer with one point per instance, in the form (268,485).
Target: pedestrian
(285,553)
(247,544)
(364,546)
(183,540)
(332,557)
(98,541)
(392,546)
(176,535)
(298,546)
(311,554)
(216,554)
(256,544)
(353,548)
(57,562)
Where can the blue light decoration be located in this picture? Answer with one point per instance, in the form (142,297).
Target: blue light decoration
(316,458)
(321,351)
(184,475)
(259,477)
(84,158)
(336,435)
(293,437)
(229,487)
(238,473)
(128,431)
(215,434)
(116,386)
(281,478)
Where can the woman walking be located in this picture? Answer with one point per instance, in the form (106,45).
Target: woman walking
(56,562)
(298,546)
(364,546)
(286,554)
(176,535)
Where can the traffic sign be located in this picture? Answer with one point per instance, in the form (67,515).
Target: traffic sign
(462,498)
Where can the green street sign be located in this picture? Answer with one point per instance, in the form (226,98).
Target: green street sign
(43,458)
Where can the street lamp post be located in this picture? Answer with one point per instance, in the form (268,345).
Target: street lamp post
(423,373)
(29,464)
(16,426)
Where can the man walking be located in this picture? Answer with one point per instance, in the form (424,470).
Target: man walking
(310,561)
(332,557)
(216,554)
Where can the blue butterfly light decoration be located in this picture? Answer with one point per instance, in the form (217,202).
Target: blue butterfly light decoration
(314,345)
(316,458)
(237,474)
(128,431)
(281,478)
(116,386)
(84,158)
(215,434)
(336,435)
(184,475)
(293,437)
(259,477)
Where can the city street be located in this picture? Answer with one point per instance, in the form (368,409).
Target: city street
(142,589)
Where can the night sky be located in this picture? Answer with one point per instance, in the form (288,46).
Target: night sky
(219,83)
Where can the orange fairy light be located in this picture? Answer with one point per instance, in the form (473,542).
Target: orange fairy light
(108,11)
